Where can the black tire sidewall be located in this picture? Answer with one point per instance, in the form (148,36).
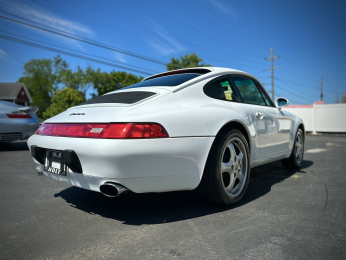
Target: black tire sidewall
(294,158)
(221,191)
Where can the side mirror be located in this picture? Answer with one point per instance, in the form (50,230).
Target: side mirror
(281,102)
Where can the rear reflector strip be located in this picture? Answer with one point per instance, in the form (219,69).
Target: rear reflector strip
(105,131)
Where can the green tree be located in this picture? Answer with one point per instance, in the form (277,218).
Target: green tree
(62,100)
(79,79)
(42,77)
(187,61)
(105,82)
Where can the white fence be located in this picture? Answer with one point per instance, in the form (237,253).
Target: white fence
(322,118)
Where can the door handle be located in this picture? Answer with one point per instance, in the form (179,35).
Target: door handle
(259,115)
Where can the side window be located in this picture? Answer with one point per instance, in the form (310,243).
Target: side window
(269,104)
(267,99)
(249,91)
(221,89)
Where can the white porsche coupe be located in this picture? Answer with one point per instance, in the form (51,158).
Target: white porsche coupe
(178,130)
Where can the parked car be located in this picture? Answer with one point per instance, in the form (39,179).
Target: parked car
(178,130)
(17,122)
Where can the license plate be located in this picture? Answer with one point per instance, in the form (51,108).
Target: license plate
(55,163)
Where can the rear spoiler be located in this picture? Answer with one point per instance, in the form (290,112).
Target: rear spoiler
(201,71)
(29,109)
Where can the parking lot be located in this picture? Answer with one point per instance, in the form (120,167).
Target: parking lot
(286,214)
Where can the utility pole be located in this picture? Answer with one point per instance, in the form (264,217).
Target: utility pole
(337,98)
(322,88)
(272,58)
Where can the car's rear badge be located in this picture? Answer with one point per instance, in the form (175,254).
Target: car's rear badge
(77,114)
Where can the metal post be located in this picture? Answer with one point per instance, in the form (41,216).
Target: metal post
(272,58)
(321,88)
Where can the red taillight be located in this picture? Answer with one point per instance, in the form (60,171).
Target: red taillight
(17,115)
(72,130)
(106,131)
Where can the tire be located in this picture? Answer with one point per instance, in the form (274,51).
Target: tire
(226,175)
(296,158)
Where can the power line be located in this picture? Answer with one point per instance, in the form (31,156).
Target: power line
(298,84)
(99,22)
(143,37)
(291,86)
(296,64)
(331,89)
(64,48)
(191,9)
(296,72)
(295,94)
(256,40)
(5,37)
(80,38)
(186,25)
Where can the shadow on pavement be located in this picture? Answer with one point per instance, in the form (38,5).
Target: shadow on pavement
(158,208)
(14,146)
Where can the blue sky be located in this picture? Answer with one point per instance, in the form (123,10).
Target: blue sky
(309,36)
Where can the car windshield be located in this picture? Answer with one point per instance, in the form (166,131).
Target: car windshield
(168,81)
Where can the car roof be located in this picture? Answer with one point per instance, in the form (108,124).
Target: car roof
(199,70)
(210,72)
(205,73)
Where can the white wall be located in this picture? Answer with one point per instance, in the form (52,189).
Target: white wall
(322,118)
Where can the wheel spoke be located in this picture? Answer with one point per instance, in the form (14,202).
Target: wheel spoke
(227,167)
(239,156)
(230,187)
(232,150)
(297,151)
(240,176)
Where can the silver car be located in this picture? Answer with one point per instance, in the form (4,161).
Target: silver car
(17,122)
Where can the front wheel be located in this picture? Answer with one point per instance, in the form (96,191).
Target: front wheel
(227,172)
(297,155)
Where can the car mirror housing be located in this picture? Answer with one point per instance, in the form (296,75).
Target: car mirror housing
(281,102)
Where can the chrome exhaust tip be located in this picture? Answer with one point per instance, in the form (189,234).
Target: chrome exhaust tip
(112,189)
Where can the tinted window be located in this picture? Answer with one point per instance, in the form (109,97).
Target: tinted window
(168,81)
(249,91)
(221,89)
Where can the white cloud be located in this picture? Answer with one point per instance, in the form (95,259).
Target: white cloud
(47,18)
(166,44)
(120,57)
(226,9)
(5,56)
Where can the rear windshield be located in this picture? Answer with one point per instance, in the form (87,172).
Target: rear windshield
(168,81)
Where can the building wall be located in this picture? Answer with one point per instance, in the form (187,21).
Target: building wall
(22,98)
(322,118)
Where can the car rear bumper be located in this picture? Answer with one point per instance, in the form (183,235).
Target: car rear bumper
(17,129)
(145,165)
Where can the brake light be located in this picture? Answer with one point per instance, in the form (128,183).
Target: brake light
(71,130)
(105,131)
(17,114)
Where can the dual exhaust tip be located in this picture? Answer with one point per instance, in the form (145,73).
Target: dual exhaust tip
(112,189)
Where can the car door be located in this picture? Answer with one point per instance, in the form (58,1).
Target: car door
(273,128)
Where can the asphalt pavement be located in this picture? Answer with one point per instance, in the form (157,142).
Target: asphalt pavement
(286,214)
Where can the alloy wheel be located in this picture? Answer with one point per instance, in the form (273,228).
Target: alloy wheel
(234,167)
